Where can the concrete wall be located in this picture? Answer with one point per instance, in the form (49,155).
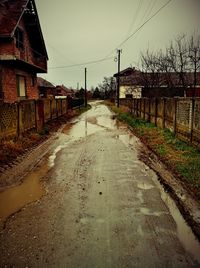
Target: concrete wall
(180,115)
(17,118)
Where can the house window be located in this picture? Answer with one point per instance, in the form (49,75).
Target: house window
(19,35)
(21,86)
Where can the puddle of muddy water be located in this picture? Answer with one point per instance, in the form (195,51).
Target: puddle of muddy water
(145,186)
(83,129)
(184,232)
(15,198)
(127,139)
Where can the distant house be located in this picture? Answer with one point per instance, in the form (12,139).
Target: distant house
(64,91)
(130,83)
(22,50)
(46,89)
(137,84)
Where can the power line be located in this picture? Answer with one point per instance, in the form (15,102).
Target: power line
(81,64)
(137,11)
(152,7)
(139,28)
(59,53)
(147,12)
(122,43)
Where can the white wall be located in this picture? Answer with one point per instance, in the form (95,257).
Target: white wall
(136,91)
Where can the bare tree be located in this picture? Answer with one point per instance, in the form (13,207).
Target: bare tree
(150,69)
(194,57)
(177,66)
(177,56)
(166,71)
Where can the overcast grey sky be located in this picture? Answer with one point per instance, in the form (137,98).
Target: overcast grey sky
(77,31)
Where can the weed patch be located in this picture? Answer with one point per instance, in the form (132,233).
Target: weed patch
(181,158)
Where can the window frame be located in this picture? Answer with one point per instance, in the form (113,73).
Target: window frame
(18,77)
(19,37)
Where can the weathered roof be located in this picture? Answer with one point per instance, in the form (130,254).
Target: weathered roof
(67,90)
(125,72)
(44,83)
(10,14)
(131,76)
(12,11)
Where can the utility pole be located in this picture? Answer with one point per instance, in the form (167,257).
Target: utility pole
(119,51)
(85,87)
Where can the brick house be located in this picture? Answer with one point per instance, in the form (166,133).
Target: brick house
(64,91)
(135,83)
(22,50)
(46,89)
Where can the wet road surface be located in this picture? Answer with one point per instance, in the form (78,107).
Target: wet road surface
(100,206)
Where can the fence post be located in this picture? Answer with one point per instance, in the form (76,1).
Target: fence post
(136,107)
(18,119)
(67,104)
(40,114)
(50,109)
(144,101)
(156,111)
(56,108)
(35,114)
(131,104)
(175,115)
(192,120)
(140,107)
(149,115)
(163,115)
(61,106)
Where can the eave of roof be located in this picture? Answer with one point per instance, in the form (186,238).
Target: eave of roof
(9,22)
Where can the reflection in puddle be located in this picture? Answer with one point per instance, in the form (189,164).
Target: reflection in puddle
(97,119)
(106,122)
(83,129)
(184,232)
(15,198)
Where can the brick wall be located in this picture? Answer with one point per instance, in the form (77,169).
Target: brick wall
(7,47)
(9,84)
(10,70)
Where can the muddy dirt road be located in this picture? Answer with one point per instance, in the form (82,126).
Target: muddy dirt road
(93,203)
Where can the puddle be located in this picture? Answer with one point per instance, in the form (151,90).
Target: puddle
(97,119)
(83,129)
(147,212)
(92,120)
(52,157)
(145,186)
(107,121)
(184,232)
(127,139)
(15,198)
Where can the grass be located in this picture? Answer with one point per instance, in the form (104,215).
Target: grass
(181,158)
(84,109)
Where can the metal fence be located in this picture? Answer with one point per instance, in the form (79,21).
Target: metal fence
(17,118)
(180,115)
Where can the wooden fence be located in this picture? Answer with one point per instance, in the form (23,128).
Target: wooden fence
(17,118)
(180,115)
